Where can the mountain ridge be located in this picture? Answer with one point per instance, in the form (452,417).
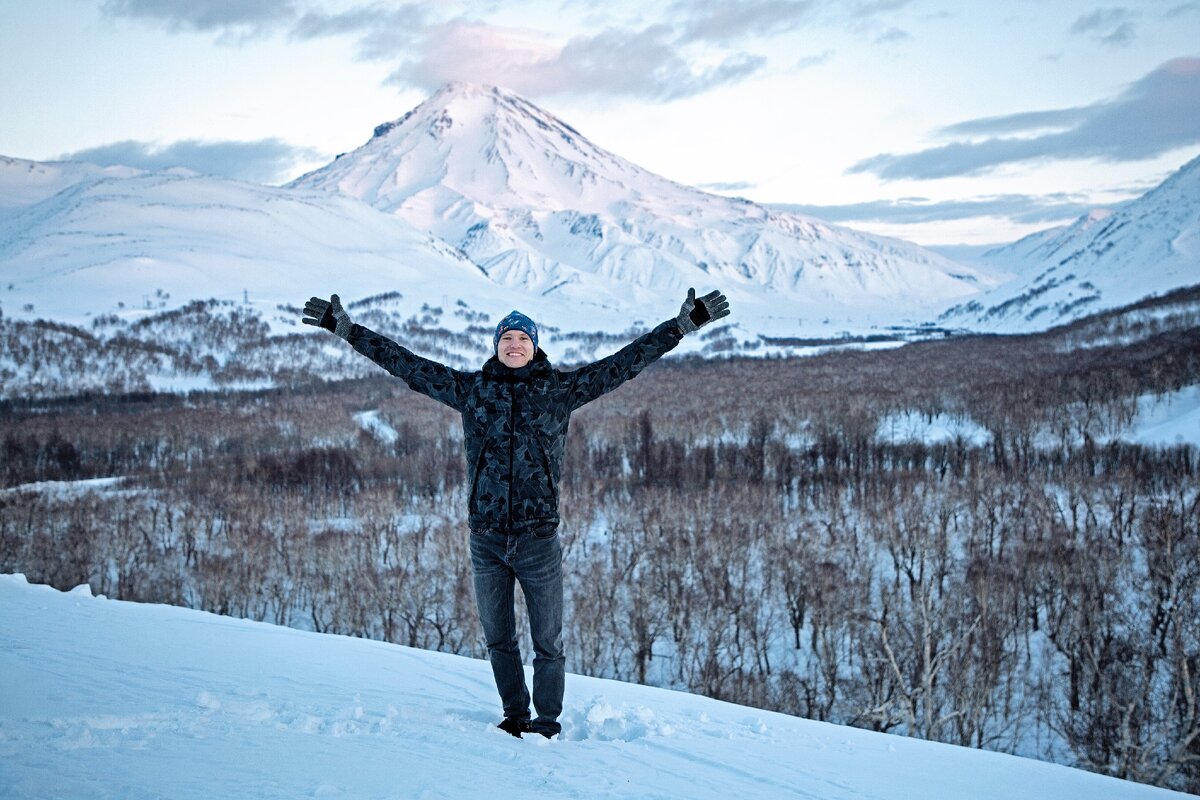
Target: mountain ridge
(592,246)
(540,207)
(1105,259)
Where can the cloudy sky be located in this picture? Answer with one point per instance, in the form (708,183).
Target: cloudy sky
(938,121)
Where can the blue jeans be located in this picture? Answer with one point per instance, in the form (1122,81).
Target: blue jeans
(499,561)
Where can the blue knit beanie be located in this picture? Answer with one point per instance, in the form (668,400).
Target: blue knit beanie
(516,321)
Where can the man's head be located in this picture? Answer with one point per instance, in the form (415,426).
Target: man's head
(516,340)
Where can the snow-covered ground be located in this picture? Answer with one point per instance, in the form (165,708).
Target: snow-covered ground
(912,426)
(1166,421)
(1159,421)
(65,488)
(111,699)
(373,423)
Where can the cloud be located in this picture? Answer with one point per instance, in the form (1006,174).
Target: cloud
(1154,115)
(264,161)
(726,22)
(206,16)
(617,61)
(383,32)
(806,62)
(873,8)
(872,18)
(892,36)
(1027,209)
(1182,9)
(1109,26)
(1026,122)
(428,49)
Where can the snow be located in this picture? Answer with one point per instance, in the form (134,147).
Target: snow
(911,426)
(478,197)
(108,699)
(151,242)
(1105,259)
(65,488)
(373,423)
(544,210)
(1167,420)
(1159,421)
(24,182)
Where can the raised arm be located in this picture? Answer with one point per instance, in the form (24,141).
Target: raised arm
(422,375)
(601,377)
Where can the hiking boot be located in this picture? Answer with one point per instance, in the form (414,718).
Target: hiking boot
(515,726)
(546,728)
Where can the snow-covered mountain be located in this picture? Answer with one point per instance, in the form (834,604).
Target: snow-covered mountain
(540,208)
(90,243)
(1106,259)
(1045,245)
(113,699)
(24,182)
(477,202)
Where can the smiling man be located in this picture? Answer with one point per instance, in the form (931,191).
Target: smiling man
(515,340)
(515,412)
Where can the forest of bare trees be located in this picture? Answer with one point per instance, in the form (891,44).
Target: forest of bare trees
(738,528)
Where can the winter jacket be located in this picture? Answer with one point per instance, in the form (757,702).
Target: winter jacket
(515,420)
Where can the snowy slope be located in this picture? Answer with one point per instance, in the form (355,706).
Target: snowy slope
(175,281)
(106,248)
(106,699)
(119,243)
(1105,259)
(25,182)
(1049,245)
(540,208)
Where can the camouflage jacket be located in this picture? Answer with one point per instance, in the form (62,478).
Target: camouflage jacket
(515,420)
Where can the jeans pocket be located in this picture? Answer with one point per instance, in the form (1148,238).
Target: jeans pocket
(545,531)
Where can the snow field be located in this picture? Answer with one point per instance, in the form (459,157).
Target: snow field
(111,699)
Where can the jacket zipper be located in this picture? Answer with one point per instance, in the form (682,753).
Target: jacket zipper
(512,437)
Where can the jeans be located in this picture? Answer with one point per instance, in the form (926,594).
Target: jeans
(499,560)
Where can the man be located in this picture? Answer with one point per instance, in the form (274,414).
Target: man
(515,412)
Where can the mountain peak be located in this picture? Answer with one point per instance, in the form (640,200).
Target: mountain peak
(467,89)
(460,105)
(485,145)
(537,206)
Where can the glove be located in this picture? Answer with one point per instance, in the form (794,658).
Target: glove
(328,314)
(696,313)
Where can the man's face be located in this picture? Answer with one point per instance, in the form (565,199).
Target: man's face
(515,349)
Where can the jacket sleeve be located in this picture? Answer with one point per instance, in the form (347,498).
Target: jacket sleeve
(422,375)
(600,377)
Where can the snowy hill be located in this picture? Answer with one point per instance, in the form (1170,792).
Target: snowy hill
(1043,246)
(474,203)
(137,242)
(119,280)
(25,182)
(1104,260)
(112,699)
(539,207)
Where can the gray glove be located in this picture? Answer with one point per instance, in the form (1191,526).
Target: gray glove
(698,312)
(328,314)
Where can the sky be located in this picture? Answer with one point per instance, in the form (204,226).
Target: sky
(937,121)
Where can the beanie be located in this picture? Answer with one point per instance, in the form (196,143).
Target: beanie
(516,321)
